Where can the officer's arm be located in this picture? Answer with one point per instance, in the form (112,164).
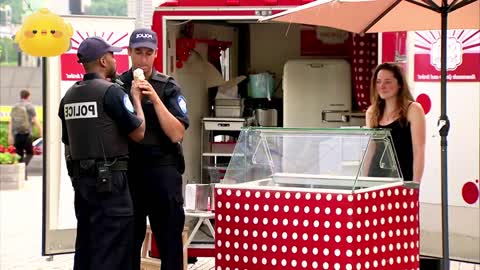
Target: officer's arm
(61,115)
(118,106)
(173,128)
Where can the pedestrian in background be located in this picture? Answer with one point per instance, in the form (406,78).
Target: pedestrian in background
(97,120)
(22,119)
(156,163)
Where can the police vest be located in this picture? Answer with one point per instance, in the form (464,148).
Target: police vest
(155,141)
(92,133)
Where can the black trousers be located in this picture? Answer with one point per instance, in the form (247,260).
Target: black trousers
(23,144)
(105,228)
(157,193)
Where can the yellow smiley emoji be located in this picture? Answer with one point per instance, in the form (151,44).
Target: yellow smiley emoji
(44,34)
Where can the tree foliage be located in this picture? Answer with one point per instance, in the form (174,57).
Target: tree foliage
(107,8)
(17,9)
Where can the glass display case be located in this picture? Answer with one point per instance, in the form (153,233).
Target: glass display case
(345,159)
(315,199)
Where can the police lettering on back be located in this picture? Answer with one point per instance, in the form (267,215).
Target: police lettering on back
(81,110)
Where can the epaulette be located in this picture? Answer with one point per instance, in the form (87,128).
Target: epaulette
(157,76)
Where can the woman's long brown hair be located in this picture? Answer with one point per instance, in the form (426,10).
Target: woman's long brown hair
(403,95)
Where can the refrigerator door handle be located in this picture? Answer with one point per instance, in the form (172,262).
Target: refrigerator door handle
(338,116)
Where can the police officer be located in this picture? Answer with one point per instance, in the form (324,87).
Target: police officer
(97,119)
(156,163)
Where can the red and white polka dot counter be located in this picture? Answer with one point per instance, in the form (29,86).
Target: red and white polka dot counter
(281,229)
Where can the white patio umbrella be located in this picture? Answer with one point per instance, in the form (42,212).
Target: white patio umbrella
(369,16)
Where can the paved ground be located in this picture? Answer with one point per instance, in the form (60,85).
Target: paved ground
(21,236)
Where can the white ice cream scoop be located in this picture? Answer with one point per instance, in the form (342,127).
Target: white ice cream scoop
(138,74)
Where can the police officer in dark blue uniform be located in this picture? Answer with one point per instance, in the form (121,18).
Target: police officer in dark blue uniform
(97,119)
(156,163)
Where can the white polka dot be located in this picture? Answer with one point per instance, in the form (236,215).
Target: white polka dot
(265,221)
(227,218)
(219,257)
(237,219)
(359,224)
(257,194)
(229,192)
(308,196)
(306,209)
(245,246)
(285,222)
(367,223)
(367,209)
(326,238)
(329,197)
(359,252)
(254,260)
(339,197)
(219,243)
(326,252)
(284,249)
(284,262)
(219,191)
(359,238)
(264,248)
(266,208)
(236,245)
(338,211)
(246,207)
(296,209)
(255,220)
(318,197)
(274,262)
(317,210)
(350,198)
(277,195)
(375,250)
(327,210)
(389,192)
(367,265)
(374,195)
(267,195)
(382,221)
(298,195)
(295,222)
(325,265)
(359,211)
(359,197)
(375,236)
(227,257)
(315,251)
(255,233)
(349,211)
(294,249)
(227,205)
(349,239)
(327,224)
(314,265)
(227,244)
(294,236)
(254,247)
(305,237)
(349,225)
(286,209)
(338,238)
(315,237)
(316,224)
(305,223)
(390,220)
(264,261)
(381,194)
(390,247)
(276,208)
(367,251)
(382,207)
(236,232)
(287,195)
(338,225)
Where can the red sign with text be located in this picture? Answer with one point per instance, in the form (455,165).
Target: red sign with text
(463,56)
(71,70)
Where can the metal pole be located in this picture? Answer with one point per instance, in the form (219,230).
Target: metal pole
(444,125)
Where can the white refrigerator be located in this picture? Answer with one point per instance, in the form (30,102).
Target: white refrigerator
(317,93)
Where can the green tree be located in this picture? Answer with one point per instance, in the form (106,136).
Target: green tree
(17,9)
(8,52)
(107,8)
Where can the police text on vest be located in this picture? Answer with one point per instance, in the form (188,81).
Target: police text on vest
(80,110)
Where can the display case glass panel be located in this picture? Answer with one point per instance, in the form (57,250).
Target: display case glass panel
(346,159)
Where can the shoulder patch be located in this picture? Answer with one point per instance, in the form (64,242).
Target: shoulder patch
(127,103)
(182,103)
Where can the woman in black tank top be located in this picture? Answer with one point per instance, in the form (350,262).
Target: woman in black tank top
(393,107)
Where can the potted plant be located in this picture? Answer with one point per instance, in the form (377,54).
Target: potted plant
(12,173)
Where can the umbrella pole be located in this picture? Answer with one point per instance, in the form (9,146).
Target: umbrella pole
(444,125)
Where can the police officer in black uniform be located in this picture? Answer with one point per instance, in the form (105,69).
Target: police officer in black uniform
(97,119)
(156,163)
